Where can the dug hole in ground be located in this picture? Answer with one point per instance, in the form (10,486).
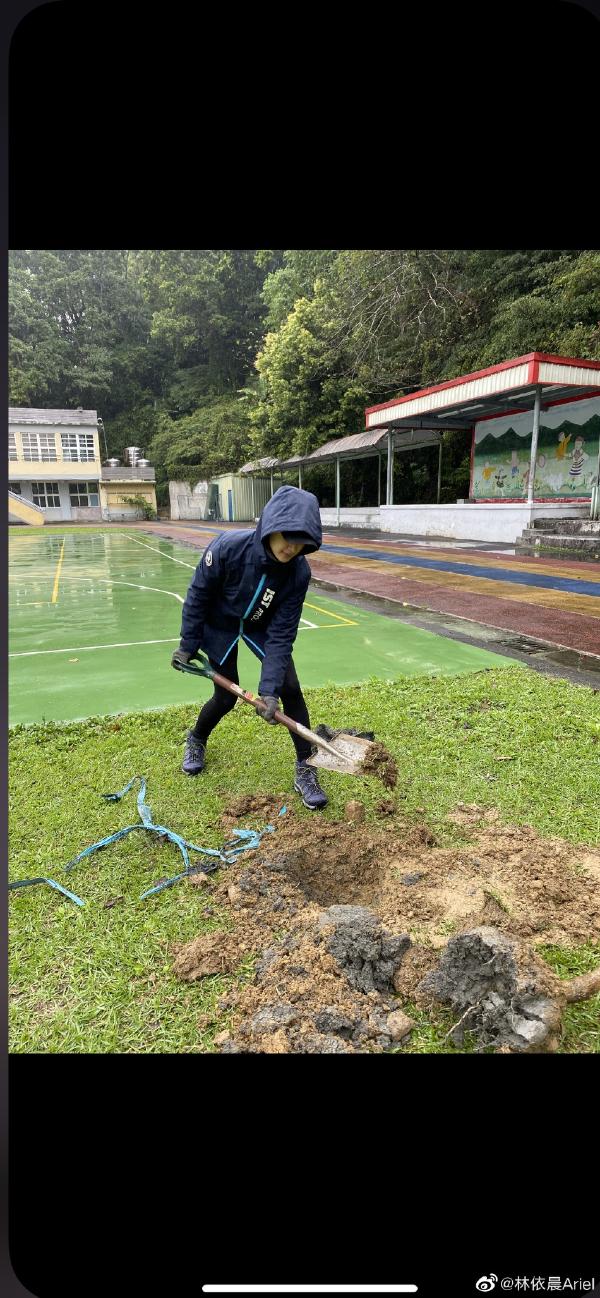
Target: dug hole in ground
(351,922)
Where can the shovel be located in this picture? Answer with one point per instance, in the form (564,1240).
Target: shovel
(346,757)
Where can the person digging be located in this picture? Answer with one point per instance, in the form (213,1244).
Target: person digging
(251,585)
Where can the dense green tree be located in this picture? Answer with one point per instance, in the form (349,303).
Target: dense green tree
(215,438)
(207,310)
(294,276)
(36,352)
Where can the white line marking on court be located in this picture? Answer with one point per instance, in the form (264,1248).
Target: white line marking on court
(156,550)
(112,581)
(80,648)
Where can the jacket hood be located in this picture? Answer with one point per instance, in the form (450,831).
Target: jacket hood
(291,509)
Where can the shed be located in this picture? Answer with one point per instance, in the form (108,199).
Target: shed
(229,497)
(238,498)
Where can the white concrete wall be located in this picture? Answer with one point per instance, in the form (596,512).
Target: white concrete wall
(187,502)
(86,513)
(368,517)
(475,522)
(119,514)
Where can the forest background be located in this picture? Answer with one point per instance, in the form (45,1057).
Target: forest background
(208,358)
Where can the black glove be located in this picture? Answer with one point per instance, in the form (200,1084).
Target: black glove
(180,656)
(271,706)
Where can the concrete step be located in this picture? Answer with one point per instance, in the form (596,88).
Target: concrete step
(565,525)
(566,547)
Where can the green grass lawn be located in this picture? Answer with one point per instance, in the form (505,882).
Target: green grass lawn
(99,979)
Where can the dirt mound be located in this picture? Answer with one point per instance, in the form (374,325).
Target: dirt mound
(310,993)
(347,917)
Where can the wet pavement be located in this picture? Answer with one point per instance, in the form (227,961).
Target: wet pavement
(580,668)
(543,611)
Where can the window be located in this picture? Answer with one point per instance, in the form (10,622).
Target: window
(78,446)
(46,495)
(82,494)
(12,447)
(40,447)
(16,487)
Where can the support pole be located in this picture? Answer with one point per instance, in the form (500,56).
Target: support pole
(378,480)
(300,476)
(389,500)
(439,482)
(271,482)
(253,506)
(337,488)
(595,502)
(534,444)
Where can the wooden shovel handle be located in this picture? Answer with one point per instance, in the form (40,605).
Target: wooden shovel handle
(295,726)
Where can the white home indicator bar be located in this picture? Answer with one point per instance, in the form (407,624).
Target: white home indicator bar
(308,1288)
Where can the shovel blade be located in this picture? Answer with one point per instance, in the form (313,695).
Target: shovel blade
(352,754)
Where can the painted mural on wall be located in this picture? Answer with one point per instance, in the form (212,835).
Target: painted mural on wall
(567,457)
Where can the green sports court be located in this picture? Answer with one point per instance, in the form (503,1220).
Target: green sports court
(95,615)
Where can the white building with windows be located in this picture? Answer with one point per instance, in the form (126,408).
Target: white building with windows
(54,464)
(54,461)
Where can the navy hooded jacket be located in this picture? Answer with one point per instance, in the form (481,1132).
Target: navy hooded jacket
(241,591)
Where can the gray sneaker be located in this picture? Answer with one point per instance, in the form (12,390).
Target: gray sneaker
(307,785)
(195,756)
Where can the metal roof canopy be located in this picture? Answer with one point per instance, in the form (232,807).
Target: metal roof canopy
(259,466)
(533,382)
(356,446)
(509,388)
(359,446)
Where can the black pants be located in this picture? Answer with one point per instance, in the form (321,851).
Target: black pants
(222,702)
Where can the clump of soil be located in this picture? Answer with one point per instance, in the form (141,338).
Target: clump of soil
(377,762)
(344,974)
(380,763)
(501,990)
(367,954)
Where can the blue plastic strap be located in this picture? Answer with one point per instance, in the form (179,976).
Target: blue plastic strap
(25,883)
(168,883)
(103,842)
(247,840)
(143,808)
